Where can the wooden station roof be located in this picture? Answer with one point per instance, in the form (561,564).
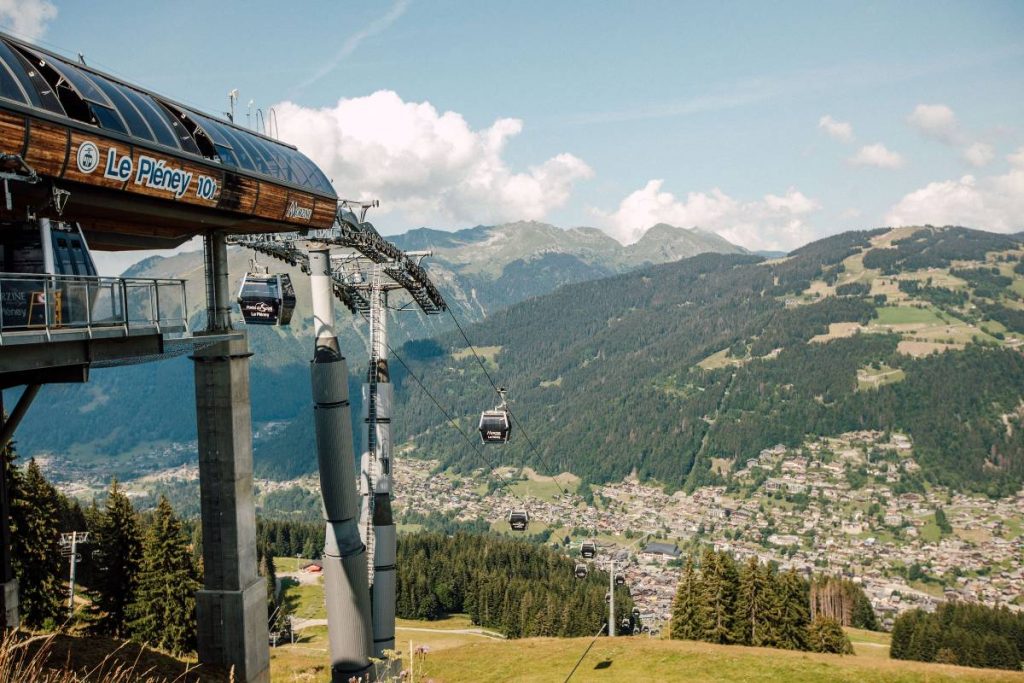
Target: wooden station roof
(143,171)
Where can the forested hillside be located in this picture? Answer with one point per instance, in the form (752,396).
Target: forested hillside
(118,420)
(516,587)
(716,357)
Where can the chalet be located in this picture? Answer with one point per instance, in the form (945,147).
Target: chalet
(660,552)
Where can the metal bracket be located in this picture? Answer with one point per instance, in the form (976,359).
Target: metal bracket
(60,199)
(14,167)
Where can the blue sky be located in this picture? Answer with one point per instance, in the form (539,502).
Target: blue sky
(615,115)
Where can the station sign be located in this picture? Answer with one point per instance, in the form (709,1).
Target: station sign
(116,165)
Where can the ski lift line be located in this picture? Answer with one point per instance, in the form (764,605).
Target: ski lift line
(490,465)
(585,653)
(515,419)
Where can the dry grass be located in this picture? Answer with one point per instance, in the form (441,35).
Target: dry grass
(640,659)
(720,359)
(488,353)
(837,331)
(919,348)
(67,658)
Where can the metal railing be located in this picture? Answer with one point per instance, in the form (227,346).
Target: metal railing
(54,304)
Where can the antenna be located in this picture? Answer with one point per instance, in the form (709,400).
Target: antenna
(232,97)
(272,118)
(248,113)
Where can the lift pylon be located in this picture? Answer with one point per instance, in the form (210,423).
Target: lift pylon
(361,277)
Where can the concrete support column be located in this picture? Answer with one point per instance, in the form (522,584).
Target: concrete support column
(232,607)
(346,590)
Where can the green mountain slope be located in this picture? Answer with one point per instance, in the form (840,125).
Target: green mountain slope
(123,419)
(716,357)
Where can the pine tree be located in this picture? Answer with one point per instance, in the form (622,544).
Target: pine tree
(118,559)
(35,544)
(902,632)
(825,634)
(718,597)
(864,613)
(163,613)
(794,611)
(756,606)
(685,608)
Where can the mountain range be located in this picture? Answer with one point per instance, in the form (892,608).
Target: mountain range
(123,420)
(682,371)
(676,372)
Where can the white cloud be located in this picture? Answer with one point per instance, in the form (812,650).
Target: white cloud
(838,130)
(979,154)
(993,203)
(1016,159)
(774,222)
(431,166)
(935,121)
(877,155)
(353,41)
(27,18)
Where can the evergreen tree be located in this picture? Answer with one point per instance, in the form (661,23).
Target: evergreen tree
(118,558)
(35,544)
(863,613)
(942,522)
(163,613)
(794,611)
(825,634)
(718,597)
(756,607)
(902,631)
(685,607)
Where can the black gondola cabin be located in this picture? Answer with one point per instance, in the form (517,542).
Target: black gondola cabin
(266,299)
(495,426)
(518,520)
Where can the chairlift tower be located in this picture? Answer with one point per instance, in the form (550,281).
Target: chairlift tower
(361,278)
(69,549)
(367,285)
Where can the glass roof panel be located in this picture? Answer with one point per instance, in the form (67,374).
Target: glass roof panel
(39,92)
(85,87)
(9,87)
(159,122)
(131,115)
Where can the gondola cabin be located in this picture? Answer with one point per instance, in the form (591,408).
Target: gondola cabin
(519,520)
(496,424)
(266,299)
(620,580)
(495,427)
(588,549)
(581,571)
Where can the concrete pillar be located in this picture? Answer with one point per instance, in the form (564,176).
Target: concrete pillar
(232,607)
(346,589)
